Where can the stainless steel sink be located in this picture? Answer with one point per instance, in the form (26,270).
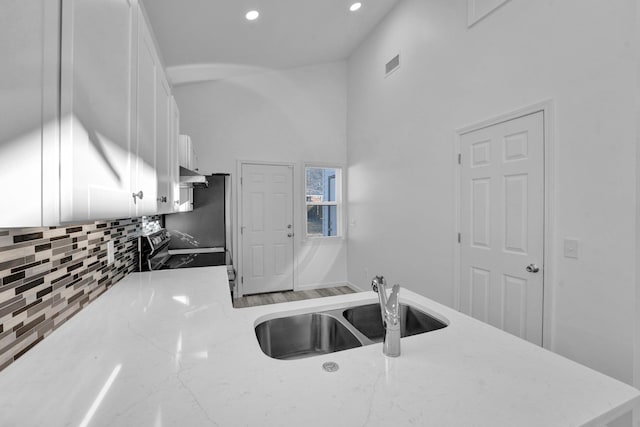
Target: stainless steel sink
(304,335)
(368,320)
(311,334)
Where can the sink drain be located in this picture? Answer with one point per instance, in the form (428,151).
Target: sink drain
(330,366)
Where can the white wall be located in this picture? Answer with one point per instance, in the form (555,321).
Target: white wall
(580,54)
(294,116)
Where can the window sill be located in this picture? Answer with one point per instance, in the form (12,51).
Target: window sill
(323,239)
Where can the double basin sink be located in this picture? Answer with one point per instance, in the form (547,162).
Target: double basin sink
(310,334)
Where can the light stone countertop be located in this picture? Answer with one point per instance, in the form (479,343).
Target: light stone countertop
(167,348)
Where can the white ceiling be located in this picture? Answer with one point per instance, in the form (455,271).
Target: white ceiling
(202,39)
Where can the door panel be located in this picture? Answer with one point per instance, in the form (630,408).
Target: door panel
(480,283)
(174,167)
(267,225)
(96,109)
(163,144)
(516,220)
(147,114)
(25,115)
(481,212)
(514,295)
(502,225)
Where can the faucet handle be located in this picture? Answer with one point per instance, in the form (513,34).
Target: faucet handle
(392,303)
(376,282)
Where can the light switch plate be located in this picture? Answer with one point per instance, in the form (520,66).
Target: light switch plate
(571,248)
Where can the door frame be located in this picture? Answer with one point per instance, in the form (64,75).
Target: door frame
(548,272)
(238,291)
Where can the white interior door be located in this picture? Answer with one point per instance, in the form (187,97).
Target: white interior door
(502,225)
(267,228)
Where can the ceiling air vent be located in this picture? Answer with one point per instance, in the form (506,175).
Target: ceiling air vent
(392,65)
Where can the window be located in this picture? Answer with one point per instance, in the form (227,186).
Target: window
(323,198)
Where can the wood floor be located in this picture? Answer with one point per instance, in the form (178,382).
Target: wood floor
(276,297)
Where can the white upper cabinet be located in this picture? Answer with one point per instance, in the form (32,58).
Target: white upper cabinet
(156,161)
(185,160)
(96,109)
(88,127)
(174,162)
(29,40)
(187,153)
(148,69)
(164,147)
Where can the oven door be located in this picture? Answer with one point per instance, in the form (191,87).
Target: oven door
(195,259)
(159,258)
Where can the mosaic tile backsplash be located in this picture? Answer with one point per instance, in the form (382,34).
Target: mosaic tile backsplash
(49,274)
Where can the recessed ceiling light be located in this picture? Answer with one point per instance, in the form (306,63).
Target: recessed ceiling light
(252,15)
(355,6)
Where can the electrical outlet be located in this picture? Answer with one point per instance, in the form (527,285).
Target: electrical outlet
(111,252)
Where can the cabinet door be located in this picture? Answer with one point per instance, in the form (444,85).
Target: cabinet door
(147,71)
(175,156)
(184,142)
(164,143)
(28,105)
(96,109)
(186,199)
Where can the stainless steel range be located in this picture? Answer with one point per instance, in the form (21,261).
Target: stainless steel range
(155,255)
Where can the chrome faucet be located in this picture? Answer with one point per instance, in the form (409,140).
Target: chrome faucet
(390,310)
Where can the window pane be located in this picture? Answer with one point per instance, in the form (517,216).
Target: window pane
(322,221)
(321,185)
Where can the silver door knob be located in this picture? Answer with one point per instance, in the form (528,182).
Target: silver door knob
(289,234)
(532,268)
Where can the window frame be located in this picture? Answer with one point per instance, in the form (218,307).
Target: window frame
(338,203)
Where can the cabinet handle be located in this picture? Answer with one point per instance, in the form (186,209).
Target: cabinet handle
(162,199)
(139,195)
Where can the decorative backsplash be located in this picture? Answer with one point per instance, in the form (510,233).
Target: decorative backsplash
(49,274)
(151,224)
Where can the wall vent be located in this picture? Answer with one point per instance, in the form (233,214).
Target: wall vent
(392,65)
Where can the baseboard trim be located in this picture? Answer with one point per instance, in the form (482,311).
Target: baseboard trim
(323,286)
(355,288)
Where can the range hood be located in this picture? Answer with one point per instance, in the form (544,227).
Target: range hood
(189,178)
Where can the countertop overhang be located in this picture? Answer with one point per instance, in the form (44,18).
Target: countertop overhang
(166,348)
